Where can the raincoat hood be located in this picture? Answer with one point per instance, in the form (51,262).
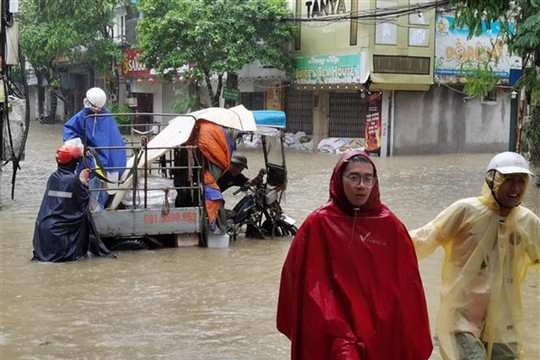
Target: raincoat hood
(496,179)
(372,206)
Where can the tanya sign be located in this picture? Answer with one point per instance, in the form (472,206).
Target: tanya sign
(453,49)
(329,69)
(318,8)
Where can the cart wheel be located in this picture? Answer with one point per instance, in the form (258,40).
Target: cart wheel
(130,245)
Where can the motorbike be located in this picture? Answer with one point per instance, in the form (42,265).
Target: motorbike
(259,211)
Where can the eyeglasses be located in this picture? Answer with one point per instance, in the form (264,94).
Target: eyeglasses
(357,180)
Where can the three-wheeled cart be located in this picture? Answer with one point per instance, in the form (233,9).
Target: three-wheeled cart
(159,201)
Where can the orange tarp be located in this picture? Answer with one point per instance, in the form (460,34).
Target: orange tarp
(215,148)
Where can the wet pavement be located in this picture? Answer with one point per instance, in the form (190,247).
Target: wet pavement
(198,303)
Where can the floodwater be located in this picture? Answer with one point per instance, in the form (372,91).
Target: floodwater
(198,303)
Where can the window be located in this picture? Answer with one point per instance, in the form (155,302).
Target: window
(386,4)
(386,34)
(418,37)
(490,98)
(401,64)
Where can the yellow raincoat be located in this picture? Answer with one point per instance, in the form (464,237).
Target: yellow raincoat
(485,263)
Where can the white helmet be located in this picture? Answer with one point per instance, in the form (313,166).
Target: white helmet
(509,163)
(96,97)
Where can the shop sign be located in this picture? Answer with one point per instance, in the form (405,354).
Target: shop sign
(373,123)
(230,93)
(274,99)
(132,102)
(329,69)
(454,49)
(131,66)
(320,8)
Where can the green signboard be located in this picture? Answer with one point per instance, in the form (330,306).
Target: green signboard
(230,93)
(329,69)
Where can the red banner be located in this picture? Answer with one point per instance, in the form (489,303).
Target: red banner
(373,123)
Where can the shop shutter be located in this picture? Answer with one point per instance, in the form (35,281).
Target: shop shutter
(299,110)
(347,115)
(253,100)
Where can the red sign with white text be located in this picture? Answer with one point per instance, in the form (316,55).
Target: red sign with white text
(373,123)
(131,66)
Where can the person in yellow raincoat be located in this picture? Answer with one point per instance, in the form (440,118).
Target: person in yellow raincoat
(489,243)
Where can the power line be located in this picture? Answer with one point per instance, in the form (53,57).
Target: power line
(376,14)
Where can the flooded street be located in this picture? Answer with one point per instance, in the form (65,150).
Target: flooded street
(198,303)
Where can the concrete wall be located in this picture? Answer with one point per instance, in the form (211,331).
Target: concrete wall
(445,121)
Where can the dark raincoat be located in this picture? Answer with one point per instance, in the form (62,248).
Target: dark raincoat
(350,286)
(64,229)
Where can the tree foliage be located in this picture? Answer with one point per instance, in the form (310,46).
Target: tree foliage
(214,37)
(524,41)
(55,33)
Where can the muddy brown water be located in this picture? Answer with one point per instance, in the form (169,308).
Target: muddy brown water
(198,303)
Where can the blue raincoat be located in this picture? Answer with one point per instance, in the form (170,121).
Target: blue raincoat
(100,131)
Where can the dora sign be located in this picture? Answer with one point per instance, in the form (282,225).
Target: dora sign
(453,49)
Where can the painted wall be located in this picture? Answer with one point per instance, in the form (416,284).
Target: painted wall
(445,121)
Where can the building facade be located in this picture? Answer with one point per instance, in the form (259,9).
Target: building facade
(383,71)
(388,71)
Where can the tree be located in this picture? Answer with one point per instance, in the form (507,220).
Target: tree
(214,37)
(60,32)
(524,42)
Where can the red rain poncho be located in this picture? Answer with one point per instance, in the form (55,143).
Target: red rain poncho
(350,286)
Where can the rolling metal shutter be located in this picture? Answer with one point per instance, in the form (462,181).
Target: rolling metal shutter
(299,110)
(347,115)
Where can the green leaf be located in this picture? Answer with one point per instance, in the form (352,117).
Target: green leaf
(214,37)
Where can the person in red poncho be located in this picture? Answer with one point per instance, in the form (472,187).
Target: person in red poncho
(350,286)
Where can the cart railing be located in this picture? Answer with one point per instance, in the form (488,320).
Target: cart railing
(136,178)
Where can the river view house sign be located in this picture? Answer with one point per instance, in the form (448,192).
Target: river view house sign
(330,69)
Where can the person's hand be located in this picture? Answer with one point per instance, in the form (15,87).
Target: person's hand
(84,176)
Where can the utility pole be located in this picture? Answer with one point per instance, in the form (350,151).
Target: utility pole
(4,11)
(3,92)
(520,118)
(513,121)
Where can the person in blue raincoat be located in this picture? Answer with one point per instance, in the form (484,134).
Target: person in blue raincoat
(97,132)
(64,229)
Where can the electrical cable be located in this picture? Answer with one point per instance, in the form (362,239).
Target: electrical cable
(376,14)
